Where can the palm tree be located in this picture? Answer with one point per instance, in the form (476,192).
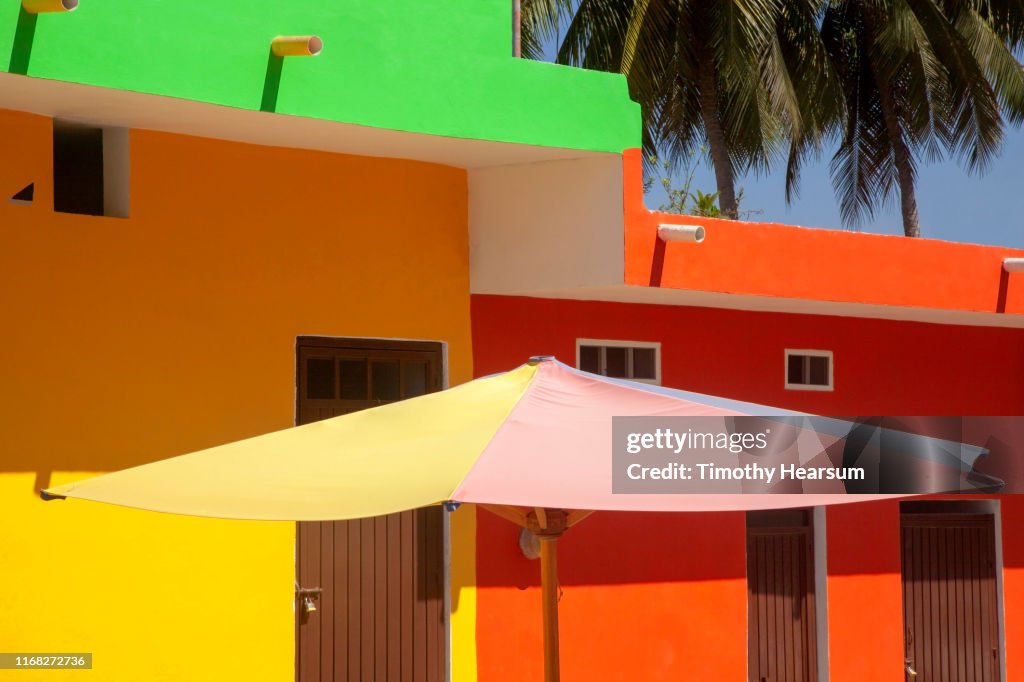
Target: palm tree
(743,77)
(919,77)
(539,21)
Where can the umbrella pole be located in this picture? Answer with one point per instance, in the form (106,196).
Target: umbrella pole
(547,525)
(549,603)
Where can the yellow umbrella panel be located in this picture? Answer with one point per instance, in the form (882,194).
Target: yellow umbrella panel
(327,470)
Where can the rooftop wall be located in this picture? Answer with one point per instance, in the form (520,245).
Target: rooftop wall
(402,64)
(817,265)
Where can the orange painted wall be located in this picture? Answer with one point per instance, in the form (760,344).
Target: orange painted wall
(129,340)
(649,590)
(767,259)
(644,597)
(865,592)
(865,589)
(1013,584)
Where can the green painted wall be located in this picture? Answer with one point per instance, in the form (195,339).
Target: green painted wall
(443,68)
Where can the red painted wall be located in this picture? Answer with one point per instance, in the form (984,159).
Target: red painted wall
(664,596)
(881,366)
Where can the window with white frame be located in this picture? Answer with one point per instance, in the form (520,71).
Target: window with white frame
(635,360)
(808,370)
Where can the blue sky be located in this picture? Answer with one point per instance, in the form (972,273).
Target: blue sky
(952,205)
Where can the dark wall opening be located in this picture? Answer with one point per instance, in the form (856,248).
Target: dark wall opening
(77,169)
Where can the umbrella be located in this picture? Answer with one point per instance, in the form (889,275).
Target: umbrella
(532,445)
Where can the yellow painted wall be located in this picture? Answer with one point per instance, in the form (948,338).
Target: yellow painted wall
(129,340)
(463,598)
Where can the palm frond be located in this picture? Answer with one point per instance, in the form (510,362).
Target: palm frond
(539,23)
(993,53)
(974,123)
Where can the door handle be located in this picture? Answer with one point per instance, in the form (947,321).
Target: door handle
(909,667)
(306,596)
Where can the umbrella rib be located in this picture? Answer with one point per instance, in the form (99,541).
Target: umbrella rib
(509,513)
(577,516)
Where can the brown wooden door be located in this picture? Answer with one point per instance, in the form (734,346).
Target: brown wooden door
(781,635)
(949,597)
(379,614)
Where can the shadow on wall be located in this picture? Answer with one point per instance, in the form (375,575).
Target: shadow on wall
(620,548)
(613,548)
(21,47)
(272,82)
